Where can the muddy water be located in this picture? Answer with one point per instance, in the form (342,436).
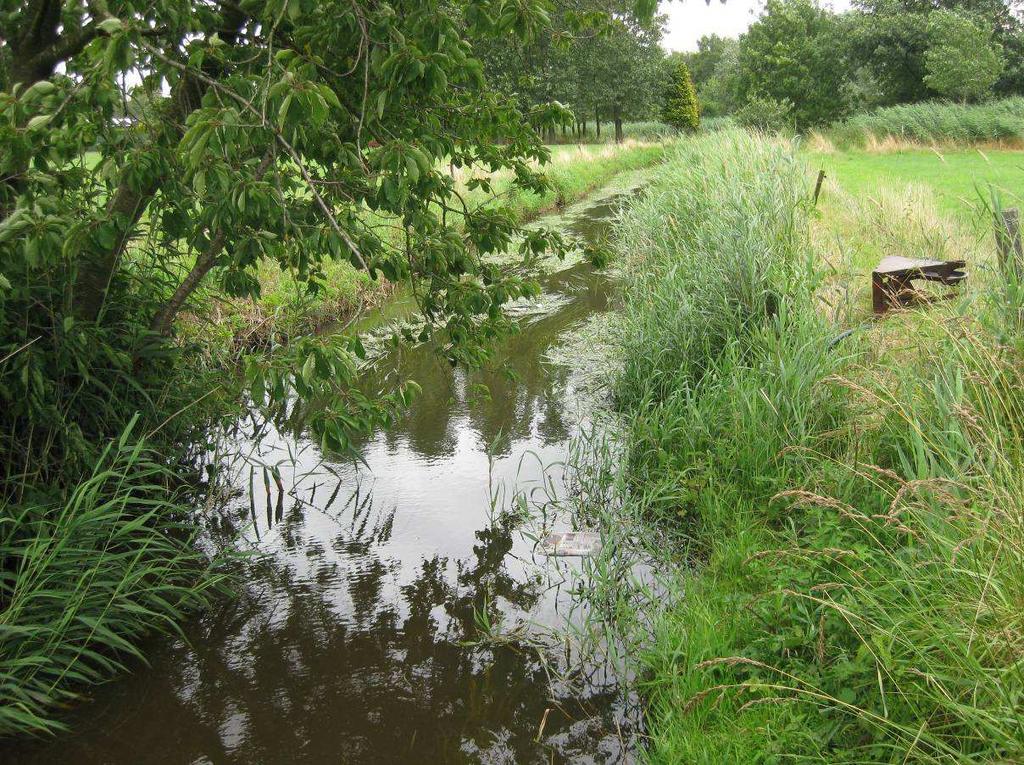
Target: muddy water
(359,636)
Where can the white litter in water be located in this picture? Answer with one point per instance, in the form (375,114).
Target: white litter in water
(566,543)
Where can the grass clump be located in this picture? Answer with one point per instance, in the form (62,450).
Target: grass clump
(853,511)
(86,579)
(937,122)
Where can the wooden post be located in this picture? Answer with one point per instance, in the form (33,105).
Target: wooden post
(817,186)
(1008,242)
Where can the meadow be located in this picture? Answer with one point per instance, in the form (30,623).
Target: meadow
(849,502)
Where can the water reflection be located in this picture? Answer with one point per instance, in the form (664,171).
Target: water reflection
(358,638)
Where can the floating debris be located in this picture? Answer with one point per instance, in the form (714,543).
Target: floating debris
(567,543)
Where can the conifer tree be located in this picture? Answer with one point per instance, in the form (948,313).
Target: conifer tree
(681,110)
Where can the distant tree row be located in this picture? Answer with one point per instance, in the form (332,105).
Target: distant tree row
(804,65)
(597,58)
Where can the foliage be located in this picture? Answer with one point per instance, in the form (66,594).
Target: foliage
(962,61)
(875,54)
(890,38)
(680,109)
(765,113)
(261,151)
(790,54)
(719,95)
(937,122)
(600,70)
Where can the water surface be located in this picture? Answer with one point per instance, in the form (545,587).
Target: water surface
(358,638)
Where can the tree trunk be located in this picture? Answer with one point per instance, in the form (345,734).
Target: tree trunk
(597,123)
(583,129)
(618,125)
(205,261)
(130,200)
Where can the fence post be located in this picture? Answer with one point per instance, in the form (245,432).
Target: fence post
(817,186)
(1008,242)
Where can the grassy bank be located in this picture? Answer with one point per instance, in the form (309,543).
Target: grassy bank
(853,508)
(284,307)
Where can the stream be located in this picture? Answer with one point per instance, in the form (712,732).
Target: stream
(360,635)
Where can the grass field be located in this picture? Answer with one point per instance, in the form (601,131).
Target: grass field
(960,178)
(851,510)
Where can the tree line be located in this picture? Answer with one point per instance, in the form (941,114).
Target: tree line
(802,65)
(599,58)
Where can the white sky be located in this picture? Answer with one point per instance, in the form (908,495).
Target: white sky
(689,20)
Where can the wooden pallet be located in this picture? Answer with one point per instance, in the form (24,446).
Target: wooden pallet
(892,280)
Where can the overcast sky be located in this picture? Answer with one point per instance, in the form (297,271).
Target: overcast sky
(689,20)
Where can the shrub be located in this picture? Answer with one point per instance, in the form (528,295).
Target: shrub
(680,109)
(765,113)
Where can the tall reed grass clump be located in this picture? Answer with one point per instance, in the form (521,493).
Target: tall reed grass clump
(937,122)
(86,579)
(712,256)
(855,511)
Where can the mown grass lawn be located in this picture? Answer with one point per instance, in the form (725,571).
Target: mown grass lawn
(960,178)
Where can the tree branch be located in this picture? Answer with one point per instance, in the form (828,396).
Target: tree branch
(205,262)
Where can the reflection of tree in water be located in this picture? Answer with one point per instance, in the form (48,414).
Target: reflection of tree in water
(338,653)
(282,676)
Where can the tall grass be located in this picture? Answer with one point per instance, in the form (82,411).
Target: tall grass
(937,122)
(84,581)
(712,255)
(854,510)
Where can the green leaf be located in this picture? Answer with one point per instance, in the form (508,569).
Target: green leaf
(39,121)
(282,113)
(111,25)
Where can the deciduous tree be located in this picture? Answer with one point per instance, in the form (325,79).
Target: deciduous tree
(962,61)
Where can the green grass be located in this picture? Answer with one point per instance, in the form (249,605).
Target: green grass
(960,178)
(85,580)
(852,512)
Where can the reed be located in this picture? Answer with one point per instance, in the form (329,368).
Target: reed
(934,122)
(852,513)
(86,580)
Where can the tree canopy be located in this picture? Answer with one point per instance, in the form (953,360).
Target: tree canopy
(600,58)
(962,60)
(157,153)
